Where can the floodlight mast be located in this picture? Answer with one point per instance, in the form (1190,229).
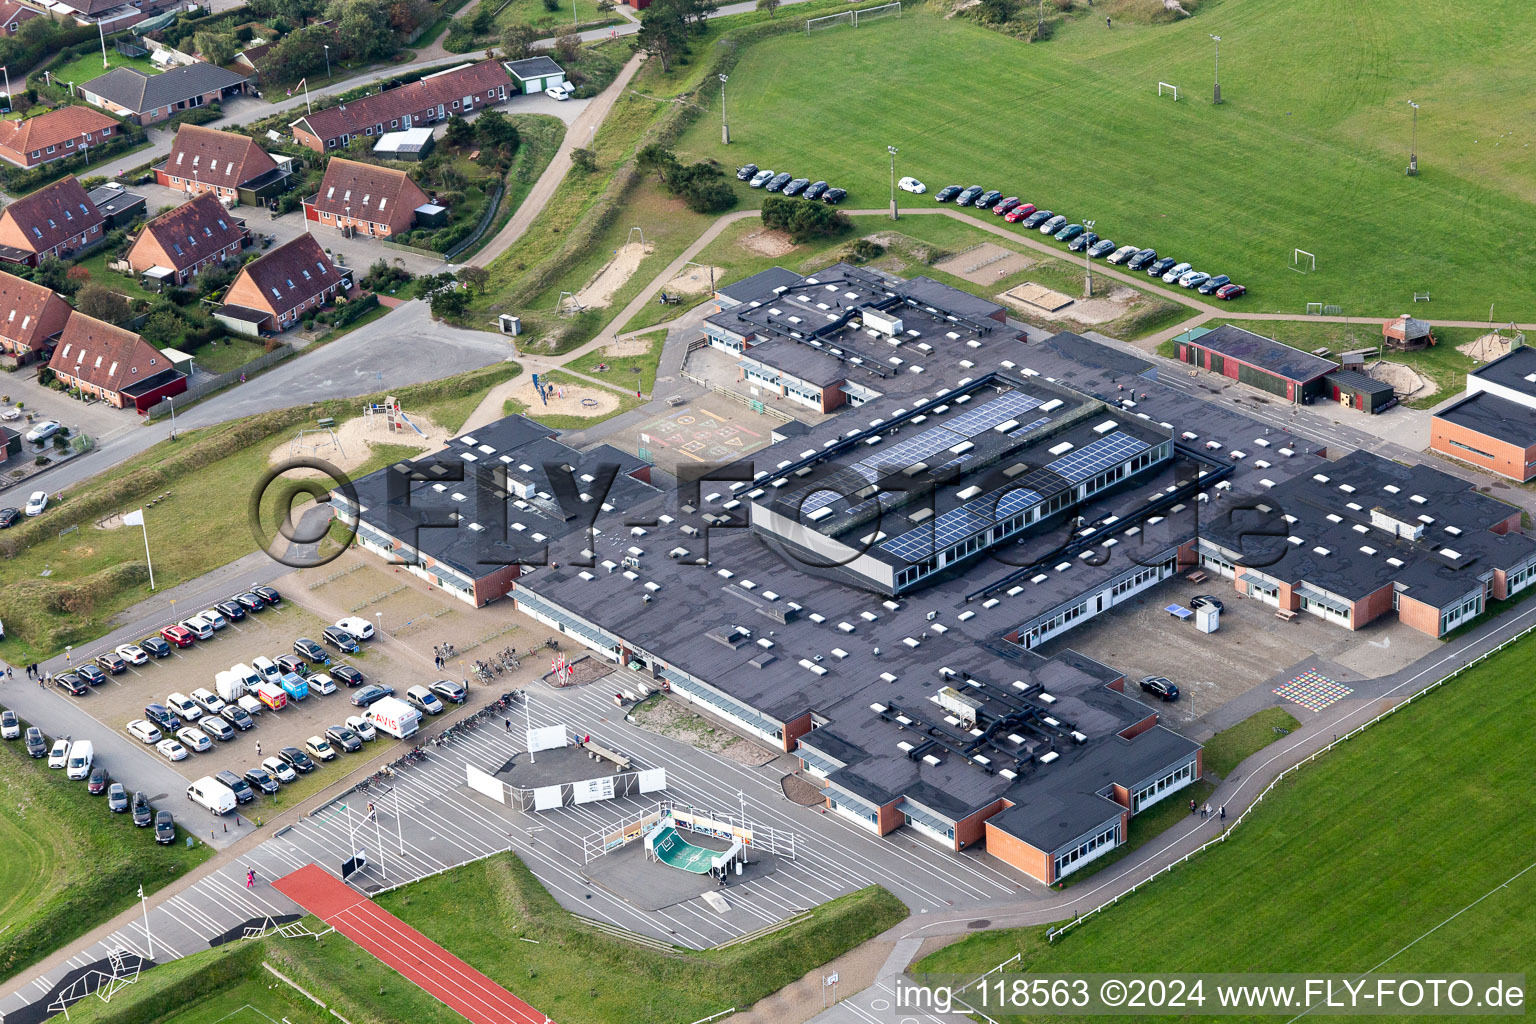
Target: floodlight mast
(893,151)
(1217,97)
(1413,146)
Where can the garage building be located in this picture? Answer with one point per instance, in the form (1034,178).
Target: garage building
(1357,390)
(1259,362)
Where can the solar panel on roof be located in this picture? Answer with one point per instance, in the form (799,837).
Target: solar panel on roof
(1042,421)
(1004,407)
(1096,456)
(817,501)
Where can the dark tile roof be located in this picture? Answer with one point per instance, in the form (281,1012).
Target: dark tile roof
(1256,350)
(1498,418)
(366,191)
(22,305)
(213,157)
(380,108)
(194,230)
(53,213)
(139,92)
(292,273)
(106,356)
(53,128)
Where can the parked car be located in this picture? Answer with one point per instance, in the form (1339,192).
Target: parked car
(244,794)
(292,664)
(340,639)
(346,739)
(1019,212)
(8,517)
(371,693)
(745,172)
(179,635)
(117,798)
(261,780)
(1175,272)
(1122,254)
(348,675)
(320,748)
(237,716)
(363,728)
(297,759)
(778,181)
(1230,291)
(269,597)
(113,662)
(1158,267)
(213,618)
(144,731)
(207,700)
(1002,206)
(37,746)
(1036,219)
(760,179)
(281,770)
(1142,259)
(232,610)
(184,707)
(796,186)
(357,626)
(143,815)
(59,755)
(1053,225)
(1067,232)
(1209,285)
(1210,599)
(37,503)
(833,196)
(155,646)
(96,782)
(10,725)
(1083,241)
(812,191)
(91,674)
(218,727)
(165,828)
(1161,687)
(321,683)
(194,738)
(912,185)
(1103,247)
(250,602)
(450,691)
(133,654)
(304,647)
(986,199)
(172,750)
(71,684)
(43,430)
(197,626)
(968,195)
(424,700)
(162,716)
(947,193)
(1194,279)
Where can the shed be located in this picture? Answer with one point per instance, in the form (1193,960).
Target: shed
(1259,362)
(158,279)
(411,144)
(10,443)
(117,205)
(1358,391)
(534,74)
(242,319)
(178,359)
(430,215)
(1406,333)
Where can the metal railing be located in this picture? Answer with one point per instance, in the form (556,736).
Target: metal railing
(1053,933)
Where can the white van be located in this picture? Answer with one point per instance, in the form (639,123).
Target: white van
(186,707)
(247,675)
(212,794)
(266,668)
(81,755)
(394,716)
(230,686)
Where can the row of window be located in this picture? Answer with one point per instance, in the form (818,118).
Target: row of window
(1468,608)
(500,92)
(70,143)
(1149,795)
(1069,862)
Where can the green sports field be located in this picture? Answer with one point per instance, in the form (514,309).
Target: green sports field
(1308,151)
(1365,858)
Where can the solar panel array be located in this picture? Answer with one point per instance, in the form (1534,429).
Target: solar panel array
(1097,456)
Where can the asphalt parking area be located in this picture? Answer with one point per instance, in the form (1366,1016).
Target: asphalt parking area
(272,632)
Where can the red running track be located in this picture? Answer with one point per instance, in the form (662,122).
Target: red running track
(402,947)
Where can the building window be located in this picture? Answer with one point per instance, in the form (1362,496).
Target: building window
(1150,794)
(1469,448)
(1469,607)
(1098,845)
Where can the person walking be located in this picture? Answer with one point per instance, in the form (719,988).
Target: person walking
(1223,812)
(509,727)
(1193,807)
(258,748)
(250,878)
(1205,812)
(1106,23)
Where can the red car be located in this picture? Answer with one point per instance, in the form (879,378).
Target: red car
(1230,291)
(1019,212)
(178,635)
(1002,206)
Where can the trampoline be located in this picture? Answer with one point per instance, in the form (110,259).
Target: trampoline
(671,848)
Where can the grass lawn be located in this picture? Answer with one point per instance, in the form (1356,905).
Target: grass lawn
(227,353)
(123,284)
(639,370)
(1373,846)
(69,863)
(1230,747)
(533,12)
(89,65)
(255,1000)
(450,412)
(562,422)
(1307,151)
(540,136)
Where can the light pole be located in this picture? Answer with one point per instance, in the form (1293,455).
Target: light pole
(100,28)
(725,128)
(1413,147)
(893,151)
(1217,98)
(327,61)
(1088,263)
(149,939)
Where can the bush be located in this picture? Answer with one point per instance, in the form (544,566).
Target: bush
(803,221)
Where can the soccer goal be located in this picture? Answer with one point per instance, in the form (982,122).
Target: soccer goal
(829,21)
(864,14)
(1302,261)
(1164,87)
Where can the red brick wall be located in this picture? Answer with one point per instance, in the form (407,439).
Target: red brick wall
(971,829)
(1130,732)
(1371,607)
(795,728)
(1419,615)
(1502,458)
(1018,854)
(497,584)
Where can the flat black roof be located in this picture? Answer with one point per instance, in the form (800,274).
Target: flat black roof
(1513,369)
(150,383)
(1273,356)
(759,285)
(799,361)
(245,314)
(1495,417)
(1359,382)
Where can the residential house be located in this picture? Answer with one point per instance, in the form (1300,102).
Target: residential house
(196,235)
(230,166)
(54,135)
(274,292)
(111,15)
(366,198)
(12,14)
(113,364)
(460,90)
(56,220)
(31,317)
(146,99)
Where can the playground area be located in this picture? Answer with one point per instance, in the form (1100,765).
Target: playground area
(349,445)
(710,428)
(563,399)
(605,284)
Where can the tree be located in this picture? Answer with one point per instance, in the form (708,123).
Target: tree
(803,221)
(605,6)
(663,32)
(703,187)
(584,160)
(997,12)
(771,6)
(568,44)
(216,47)
(450,303)
(101,302)
(359,29)
(484,19)
(459,132)
(162,328)
(658,158)
(475,277)
(494,129)
(517,40)
(53,273)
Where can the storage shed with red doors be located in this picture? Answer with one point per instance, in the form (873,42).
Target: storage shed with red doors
(1260,362)
(1356,390)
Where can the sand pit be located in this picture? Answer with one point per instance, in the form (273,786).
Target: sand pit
(579,400)
(606,283)
(637,345)
(357,439)
(1038,297)
(985,263)
(767,243)
(1405,380)
(693,281)
(1486,347)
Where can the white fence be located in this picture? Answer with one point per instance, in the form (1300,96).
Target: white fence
(485,784)
(1054,933)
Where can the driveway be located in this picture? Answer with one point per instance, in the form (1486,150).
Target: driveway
(356,253)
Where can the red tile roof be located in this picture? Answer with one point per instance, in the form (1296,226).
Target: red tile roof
(291,273)
(52,214)
(380,108)
(194,230)
(11,11)
(216,158)
(22,304)
(52,128)
(103,355)
(369,192)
